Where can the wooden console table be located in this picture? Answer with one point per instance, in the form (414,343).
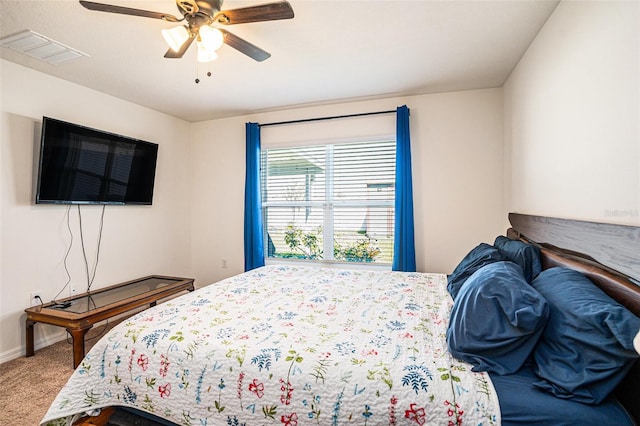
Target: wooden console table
(79,313)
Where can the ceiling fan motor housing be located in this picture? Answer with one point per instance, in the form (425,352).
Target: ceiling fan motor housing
(210,7)
(205,7)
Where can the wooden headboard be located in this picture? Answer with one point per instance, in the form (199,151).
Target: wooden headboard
(616,246)
(608,254)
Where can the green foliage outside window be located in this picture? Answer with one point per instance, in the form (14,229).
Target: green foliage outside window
(362,250)
(305,245)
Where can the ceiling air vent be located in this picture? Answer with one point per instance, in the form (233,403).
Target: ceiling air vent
(40,47)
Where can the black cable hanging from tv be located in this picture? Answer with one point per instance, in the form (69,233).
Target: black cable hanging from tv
(306,120)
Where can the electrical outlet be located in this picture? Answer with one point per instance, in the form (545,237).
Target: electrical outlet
(35,298)
(225,262)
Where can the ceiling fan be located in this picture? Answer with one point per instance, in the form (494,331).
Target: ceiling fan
(200,15)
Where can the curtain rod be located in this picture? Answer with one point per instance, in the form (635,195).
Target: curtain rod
(304,120)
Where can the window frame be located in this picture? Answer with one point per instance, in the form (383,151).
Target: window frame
(327,206)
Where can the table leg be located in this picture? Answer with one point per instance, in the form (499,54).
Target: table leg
(29,337)
(77,335)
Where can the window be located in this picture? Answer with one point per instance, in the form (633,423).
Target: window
(330,202)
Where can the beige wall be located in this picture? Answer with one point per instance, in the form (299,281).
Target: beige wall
(136,241)
(572,116)
(457,170)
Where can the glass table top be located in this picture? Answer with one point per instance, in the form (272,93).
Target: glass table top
(100,298)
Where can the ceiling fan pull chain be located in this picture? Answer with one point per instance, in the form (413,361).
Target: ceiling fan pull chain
(198,71)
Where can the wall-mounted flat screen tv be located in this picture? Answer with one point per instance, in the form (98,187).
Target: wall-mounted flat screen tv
(80,165)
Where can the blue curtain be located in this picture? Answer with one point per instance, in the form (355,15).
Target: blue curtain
(404,248)
(253,234)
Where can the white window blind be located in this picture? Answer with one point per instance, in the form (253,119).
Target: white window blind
(332,202)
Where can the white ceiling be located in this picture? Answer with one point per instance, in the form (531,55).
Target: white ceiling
(331,51)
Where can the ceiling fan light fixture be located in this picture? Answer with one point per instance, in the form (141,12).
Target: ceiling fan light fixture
(176,37)
(211,37)
(205,54)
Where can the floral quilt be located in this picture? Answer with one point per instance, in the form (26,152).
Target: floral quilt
(288,345)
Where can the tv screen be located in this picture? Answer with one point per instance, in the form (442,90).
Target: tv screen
(80,165)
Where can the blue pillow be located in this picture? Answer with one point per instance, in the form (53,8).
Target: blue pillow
(496,319)
(481,255)
(587,346)
(525,255)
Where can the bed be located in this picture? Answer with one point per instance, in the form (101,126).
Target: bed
(295,345)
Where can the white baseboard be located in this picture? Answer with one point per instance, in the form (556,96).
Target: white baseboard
(43,343)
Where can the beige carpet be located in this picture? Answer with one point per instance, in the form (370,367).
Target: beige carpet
(29,385)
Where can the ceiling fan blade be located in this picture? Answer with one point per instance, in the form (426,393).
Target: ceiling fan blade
(101,7)
(171,54)
(244,46)
(264,12)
